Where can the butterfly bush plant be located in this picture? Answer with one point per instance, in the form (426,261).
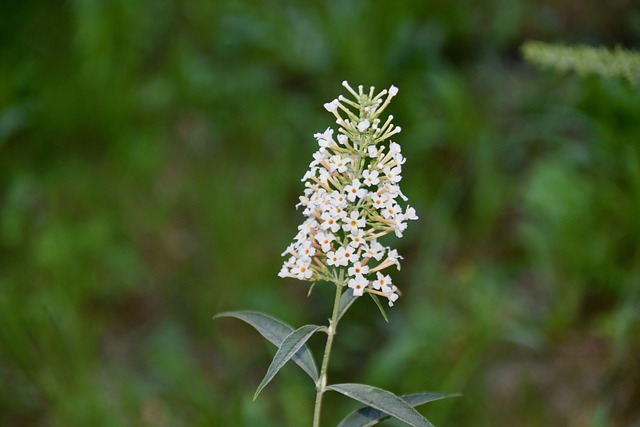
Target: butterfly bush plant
(351,199)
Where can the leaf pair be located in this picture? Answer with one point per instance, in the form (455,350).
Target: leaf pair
(291,343)
(276,331)
(292,346)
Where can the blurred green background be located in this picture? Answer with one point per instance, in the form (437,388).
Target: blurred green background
(150,160)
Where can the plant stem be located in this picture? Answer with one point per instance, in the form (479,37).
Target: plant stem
(331,332)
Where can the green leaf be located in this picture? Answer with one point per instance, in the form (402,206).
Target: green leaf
(346,300)
(368,416)
(380,307)
(275,331)
(384,401)
(291,344)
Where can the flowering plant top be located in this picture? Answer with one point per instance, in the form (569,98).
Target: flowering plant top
(350,199)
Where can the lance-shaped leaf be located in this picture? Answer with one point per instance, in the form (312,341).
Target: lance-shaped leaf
(346,299)
(380,307)
(368,416)
(291,344)
(275,331)
(384,401)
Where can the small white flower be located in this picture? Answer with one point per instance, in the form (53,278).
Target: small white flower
(345,255)
(356,238)
(370,177)
(329,222)
(309,174)
(401,218)
(302,271)
(338,163)
(316,197)
(325,139)
(338,199)
(353,222)
(289,251)
(372,150)
(399,225)
(324,176)
(393,91)
(410,213)
(390,211)
(376,250)
(324,240)
(396,151)
(318,157)
(284,272)
(393,191)
(332,106)
(382,281)
(354,191)
(394,148)
(301,237)
(392,298)
(332,258)
(379,200)
(393,174)
(394,258)
(358,284)
(309,225)
(357,269)
(306,251)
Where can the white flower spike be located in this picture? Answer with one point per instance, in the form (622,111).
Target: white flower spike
(351,199)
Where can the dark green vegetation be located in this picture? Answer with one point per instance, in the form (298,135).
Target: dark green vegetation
(150,157)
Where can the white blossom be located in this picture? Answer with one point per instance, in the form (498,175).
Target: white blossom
(339,163)
(370,177)
(324,240)
(331,106)
(357,269)
(376,250)
(358,283)
(357,238)
(325,139)
(351,199)
(353,222)
(393,174)
(354,191)
(381,282)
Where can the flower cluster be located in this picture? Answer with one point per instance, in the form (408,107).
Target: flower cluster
(351,200)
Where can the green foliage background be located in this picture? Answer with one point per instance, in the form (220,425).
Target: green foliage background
(150,157)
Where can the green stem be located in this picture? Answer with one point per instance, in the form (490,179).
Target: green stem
(331,332)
